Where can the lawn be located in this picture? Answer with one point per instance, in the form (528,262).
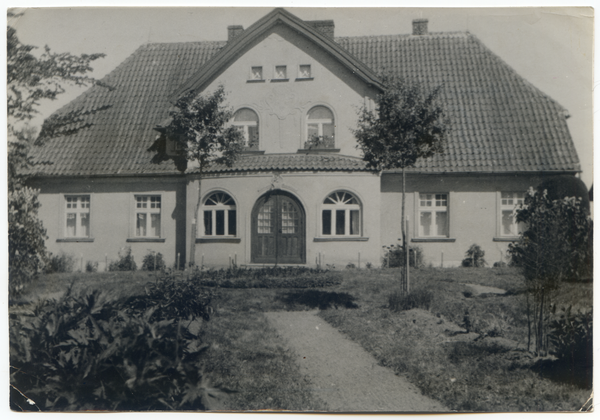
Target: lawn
(466,350)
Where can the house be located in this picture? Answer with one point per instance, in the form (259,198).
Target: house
(300,193)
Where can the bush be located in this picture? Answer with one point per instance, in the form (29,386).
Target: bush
(150,259)
(474,257)
(319,299)
(350,266)
(61,263)
(395,256)
(419,298)
(571,338)
(92,353)
(125,261)
(91,266)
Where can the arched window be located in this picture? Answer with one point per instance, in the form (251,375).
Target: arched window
(219,215)
(341,214)
(247,120)
(320,128)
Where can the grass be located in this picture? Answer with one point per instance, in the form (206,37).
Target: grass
(465,375)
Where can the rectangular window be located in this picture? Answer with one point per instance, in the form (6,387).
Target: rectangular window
(220,228)
(231,222)
(257,73)
(508,202)
(208,222)
(340,222)
(433,215)
(304,72)
(354,222)
(77,216)
(280,72)
(147,216)
(326,222)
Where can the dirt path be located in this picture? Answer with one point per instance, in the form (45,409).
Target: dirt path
(342,372)
(479,289)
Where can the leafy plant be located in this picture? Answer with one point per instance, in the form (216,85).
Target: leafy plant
(125,261)
(474,257)
(91,266)
(153,262)
(61,263)
(350,266)
(394,256)
(418,298)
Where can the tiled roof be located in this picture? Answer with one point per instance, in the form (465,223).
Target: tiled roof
(499,121)
(291,162)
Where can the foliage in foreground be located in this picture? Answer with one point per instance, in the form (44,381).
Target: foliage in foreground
(89,352)
(395,256)
(474,257)
(125,262)
(153,262)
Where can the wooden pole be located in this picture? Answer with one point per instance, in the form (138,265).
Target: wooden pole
(105,262)
(358,259)
(177,261)
(407,259)
(442,259)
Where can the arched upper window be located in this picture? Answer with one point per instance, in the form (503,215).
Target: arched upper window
(341,214)
(247,120)
(320,128)
(219,215)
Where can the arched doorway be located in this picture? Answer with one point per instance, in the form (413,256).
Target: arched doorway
(278,229)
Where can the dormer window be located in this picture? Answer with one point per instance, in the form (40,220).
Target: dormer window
(247,120)
(304,72)
(280,73)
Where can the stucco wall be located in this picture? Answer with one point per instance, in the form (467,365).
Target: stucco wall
(310,190)
(282,105)
(473,212)
(112,221)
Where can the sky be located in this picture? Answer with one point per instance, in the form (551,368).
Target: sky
(550,47)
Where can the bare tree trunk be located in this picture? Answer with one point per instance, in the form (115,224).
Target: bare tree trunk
(528,323)
(195,222)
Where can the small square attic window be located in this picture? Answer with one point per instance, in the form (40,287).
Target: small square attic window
(257,73)
(280,72)
(304,72)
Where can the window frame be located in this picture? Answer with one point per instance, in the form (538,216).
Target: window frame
(251,77)
(340,205)
(275,77)
(201,233)
(148,211)
(66,211)
(433,209)
(300,76)
(502,208)
(245,128)
(320,122)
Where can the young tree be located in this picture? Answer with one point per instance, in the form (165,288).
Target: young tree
(555,247)
(31,78)
(409,123)
(200,126)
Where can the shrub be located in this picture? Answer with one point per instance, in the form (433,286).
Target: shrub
(350,266)
(571,338)
(91,353)
(395,256)
(319,299)
(153,262)
(125,261)
(419,298)
(500,264)
(91,266)
(474,257)
(61,263)
(368,265)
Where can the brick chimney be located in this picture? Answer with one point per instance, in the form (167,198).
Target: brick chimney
(326,27)
(420,26)
(234,31)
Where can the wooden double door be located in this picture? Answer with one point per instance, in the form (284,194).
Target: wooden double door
(278,230)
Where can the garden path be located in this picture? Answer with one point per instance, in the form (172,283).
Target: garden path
(479,289)
(342,372)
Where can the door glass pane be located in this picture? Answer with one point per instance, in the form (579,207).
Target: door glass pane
(71,224)
(85,224)
(231,223)
(265,218)
(340,222)
(140,228)
(326,222)
(354,223)
(425,223)
(208,223)
(441,220)
(220,214)
(289,218)
(155,224)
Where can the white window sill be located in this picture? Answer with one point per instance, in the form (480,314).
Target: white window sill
(219,239)
(341,239)
(433,239)
(146,239)
(75,240)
